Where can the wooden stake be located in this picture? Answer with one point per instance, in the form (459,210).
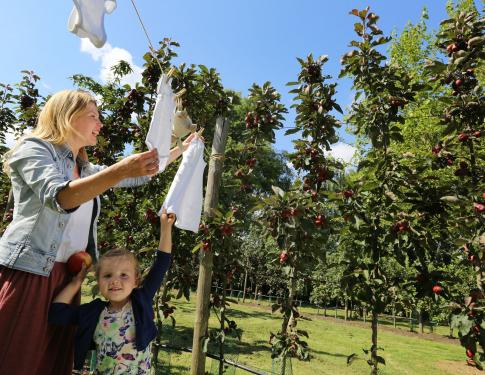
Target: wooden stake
(206,258)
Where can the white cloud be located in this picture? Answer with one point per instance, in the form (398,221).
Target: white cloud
(110,56)
(343,151)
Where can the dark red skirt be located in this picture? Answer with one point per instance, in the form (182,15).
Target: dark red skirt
(29,345)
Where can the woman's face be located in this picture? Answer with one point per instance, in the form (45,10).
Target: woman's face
(86,127)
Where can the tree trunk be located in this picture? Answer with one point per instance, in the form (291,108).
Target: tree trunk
(346,309)
(374,344)
(364,314)
(291,297)
(223,316)
(336,307)
(245,285)
(206,258)
(421,328)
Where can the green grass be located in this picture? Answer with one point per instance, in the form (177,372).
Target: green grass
(330,343)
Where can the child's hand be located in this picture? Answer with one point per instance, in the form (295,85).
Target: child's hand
(190,138)
(81,275)
(166,220)
(166,223)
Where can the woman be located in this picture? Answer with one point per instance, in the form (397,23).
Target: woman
(56,194)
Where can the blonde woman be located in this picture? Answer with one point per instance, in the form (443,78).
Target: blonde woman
(56,193)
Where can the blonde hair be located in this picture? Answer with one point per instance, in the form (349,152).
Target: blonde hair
(54,123)
(119,252)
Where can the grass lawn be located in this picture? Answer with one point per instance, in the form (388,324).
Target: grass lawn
(331,341)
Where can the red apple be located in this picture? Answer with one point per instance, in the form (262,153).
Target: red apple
(76,260)
(319,220)
(206,246)
(436,149)
(226,229)
(251,162)
(285,214)
(479,208)
(477,134)
(283,257)
(437,289)
(462,137)
(348,193)
(469,353)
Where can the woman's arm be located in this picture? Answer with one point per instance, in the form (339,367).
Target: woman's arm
(81,190)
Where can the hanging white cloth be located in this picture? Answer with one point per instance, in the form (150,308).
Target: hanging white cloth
(160,133)
(184,197)
(87,19)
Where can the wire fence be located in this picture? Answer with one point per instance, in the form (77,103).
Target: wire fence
(411,321)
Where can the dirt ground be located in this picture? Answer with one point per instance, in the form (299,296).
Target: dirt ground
(457,368)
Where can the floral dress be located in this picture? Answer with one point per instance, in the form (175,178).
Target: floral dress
(116,353)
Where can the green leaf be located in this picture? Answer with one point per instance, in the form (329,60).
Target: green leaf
(450,199)
(205,344)
(460,242)
(302,332)
(292,131)
(197,247)
(351,358)
(462,323)
(380,360)
(277,190)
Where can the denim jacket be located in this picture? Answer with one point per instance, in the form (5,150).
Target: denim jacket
(39,170)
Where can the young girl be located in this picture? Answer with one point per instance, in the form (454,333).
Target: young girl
(121,328)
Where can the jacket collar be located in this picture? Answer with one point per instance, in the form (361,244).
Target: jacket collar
(64,151)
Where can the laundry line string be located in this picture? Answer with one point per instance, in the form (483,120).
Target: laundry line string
(150,45)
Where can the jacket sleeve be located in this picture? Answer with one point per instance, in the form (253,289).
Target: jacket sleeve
(63,314)
(35,163)
(127,182)
(155,276)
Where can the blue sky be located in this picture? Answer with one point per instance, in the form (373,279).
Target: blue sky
(246,41)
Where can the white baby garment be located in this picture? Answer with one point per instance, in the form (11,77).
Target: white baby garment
(87,19)
(160,133)
(184,197)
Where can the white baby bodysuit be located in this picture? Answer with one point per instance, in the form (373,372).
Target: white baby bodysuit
(160,133)
(87,19)
(184,197)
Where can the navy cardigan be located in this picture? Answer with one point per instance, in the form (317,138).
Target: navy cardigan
(86,316)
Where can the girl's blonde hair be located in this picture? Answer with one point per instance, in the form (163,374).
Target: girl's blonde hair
(54,123)
(119,252)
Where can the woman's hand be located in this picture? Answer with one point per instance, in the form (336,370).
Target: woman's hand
(137,165)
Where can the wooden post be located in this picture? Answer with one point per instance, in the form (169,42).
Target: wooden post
(206,258)
(421,328)
(245,285)
(346,309)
